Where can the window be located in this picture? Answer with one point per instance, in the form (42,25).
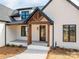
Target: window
(24,14)
(69,33)
(23,31)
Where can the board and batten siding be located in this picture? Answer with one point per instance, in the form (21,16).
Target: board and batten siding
(2,34)
(62,12)
(51,36)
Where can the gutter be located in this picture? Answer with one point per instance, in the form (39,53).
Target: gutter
(4,21)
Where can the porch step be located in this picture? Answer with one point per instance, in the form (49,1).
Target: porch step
(37,47)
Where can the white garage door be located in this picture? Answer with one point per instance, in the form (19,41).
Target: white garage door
(2,34)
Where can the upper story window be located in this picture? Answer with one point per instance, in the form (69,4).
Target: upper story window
(24,15)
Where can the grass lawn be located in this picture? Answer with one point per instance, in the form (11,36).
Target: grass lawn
(60,53)
(6,52)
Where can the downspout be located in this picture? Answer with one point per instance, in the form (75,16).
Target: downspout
(53,37)
(5,34)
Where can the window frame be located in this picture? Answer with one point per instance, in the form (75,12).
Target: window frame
(24,14)
(23,35)
(69,40)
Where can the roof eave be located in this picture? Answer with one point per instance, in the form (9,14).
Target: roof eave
(24,8)
(4,21)
(73,4)
(47,4)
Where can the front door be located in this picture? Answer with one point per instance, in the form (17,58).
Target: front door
(42,33)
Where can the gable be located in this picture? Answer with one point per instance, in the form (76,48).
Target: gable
(44,19)
(39,17)
(66,12)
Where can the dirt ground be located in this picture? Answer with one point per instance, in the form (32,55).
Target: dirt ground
(6,52)
(60,53)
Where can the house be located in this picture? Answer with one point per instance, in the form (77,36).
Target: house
(55,25)
(29,25)
(3,19)
(65,15)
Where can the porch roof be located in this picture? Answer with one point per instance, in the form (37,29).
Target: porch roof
(37,9)
(15,23)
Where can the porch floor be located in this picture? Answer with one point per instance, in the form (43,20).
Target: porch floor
(18,42)
(24,43)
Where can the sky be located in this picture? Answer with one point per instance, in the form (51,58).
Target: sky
(15,4)
(76,2)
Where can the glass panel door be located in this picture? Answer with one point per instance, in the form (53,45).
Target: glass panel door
(42,33)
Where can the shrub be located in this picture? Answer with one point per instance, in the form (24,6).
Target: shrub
(12,45)
(7,45)
(20,46)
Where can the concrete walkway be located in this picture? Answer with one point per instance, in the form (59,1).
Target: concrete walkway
(33,52)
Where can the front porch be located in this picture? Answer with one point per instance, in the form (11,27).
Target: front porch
(38,29)
(13,36)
